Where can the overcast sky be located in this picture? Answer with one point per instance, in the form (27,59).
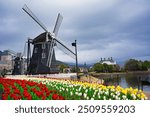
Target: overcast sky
(102,28)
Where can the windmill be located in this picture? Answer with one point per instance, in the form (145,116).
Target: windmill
(18,64)
(43,60)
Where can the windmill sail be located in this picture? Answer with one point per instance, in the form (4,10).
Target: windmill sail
(65,49)
(60,46)
(57,25)
(55,31)
(50,53)
(31,14)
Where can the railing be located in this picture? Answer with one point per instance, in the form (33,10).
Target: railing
(143,83)
(61,75)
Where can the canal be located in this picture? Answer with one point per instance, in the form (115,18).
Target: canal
(127,80)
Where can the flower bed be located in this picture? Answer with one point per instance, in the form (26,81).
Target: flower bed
(85,91)
(36,88)
(27,90)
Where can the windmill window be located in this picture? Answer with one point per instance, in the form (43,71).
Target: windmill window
(35,50)
(43,46)
(43,55)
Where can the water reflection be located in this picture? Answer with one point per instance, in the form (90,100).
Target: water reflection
(127,80)
(132,80)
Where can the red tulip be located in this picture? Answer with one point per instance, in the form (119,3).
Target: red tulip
(55,97)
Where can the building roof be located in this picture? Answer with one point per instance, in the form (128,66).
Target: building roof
(7,52)
(108,61)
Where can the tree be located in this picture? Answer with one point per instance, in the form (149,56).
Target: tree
(98,67)
(131,65)
(116,68)
(146,65)
(110,68)
(134,65)
(73,69)
(140,65)
(106,67)
(62,67)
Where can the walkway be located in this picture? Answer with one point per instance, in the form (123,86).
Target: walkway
(147,94)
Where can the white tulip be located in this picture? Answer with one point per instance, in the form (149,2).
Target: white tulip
(85,95)
(86,90)
(79,94)
(92,98)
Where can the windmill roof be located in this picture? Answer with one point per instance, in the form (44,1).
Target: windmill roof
(40,38)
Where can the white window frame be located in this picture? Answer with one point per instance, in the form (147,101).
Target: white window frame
(43,55)
(35,50)
(43,45)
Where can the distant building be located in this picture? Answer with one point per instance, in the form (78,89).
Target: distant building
(6,59)
(84,69)
(67,70)
(108,61)
(3,65)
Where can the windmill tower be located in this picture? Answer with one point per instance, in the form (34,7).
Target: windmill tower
(19,67)
(43,60)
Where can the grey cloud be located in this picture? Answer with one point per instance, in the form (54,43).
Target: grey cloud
(120,29)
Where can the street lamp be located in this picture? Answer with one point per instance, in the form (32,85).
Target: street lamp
(75,45)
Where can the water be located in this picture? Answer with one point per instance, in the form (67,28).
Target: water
(127,81)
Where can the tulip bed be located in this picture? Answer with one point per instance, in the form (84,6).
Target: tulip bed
(48,89)
(27,90)
(75,90)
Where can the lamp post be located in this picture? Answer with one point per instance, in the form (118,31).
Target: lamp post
(75,45)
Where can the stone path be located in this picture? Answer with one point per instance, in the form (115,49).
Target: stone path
(147,94)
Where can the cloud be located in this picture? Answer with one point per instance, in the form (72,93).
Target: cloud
(102,28)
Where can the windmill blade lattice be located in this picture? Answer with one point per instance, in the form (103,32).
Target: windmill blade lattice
(31,14)
(50,54)
(57,25)
(65,49)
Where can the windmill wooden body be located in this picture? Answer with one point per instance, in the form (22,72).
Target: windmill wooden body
(39,60)
(43,60)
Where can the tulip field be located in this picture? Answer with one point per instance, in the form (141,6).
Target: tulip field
(60,89)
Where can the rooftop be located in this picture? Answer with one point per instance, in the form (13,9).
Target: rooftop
(108,61)
(7,52)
